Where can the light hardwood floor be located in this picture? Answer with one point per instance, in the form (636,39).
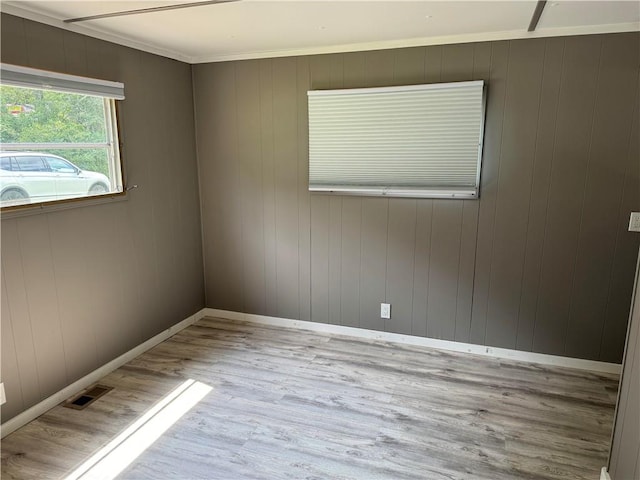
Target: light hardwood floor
(291,404)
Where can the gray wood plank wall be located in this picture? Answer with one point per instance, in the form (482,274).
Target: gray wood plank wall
(542,262)
(624,459)
(82,286)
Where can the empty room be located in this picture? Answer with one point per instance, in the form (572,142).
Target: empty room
(252,239)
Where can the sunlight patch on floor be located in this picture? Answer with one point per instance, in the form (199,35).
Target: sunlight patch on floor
(114,457)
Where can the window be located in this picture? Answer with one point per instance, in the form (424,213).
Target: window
(410,141)
(58,137)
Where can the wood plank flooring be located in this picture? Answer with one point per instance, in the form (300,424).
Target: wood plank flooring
(292,404)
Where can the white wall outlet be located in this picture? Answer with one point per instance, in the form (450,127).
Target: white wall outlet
(385,310)
(634,222)
(3,398)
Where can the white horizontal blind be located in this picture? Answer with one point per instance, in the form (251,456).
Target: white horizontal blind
(416,141)
(17,76)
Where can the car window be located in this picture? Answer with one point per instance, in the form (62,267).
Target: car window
(31,164)
(59,165)
(5,163)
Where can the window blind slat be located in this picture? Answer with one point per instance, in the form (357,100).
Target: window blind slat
(422,140)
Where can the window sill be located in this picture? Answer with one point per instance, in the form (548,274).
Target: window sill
(7,213)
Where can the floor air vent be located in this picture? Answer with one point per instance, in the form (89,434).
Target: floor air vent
(87,397)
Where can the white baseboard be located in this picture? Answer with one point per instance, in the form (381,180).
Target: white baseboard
(604,475)
(495,352)
(89,379)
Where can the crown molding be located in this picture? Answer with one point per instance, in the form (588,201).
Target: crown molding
(23,11)
(423,42)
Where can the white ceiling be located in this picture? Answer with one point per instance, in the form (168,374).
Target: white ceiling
(262,28)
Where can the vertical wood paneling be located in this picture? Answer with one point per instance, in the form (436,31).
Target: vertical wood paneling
(432,64)
(477,272)
(133,332)
(285,136)
(320,258)
(458,64)
(471,271)
(444,264)
(18,305)
(8,359)
(400,259)
(165,212)
(141,226)
(488,189)
(424,212)
(250,185)
(44,46)
(336,70)
(71,269)
(350,261)
(40,286)
(188,258)
(12,37)
(373,268)
(103,61)
(180,128)
(466,269)
(108,317)
(322,70)
(75,54)
(538,205)
(304,198)
(149,212)
(566,191)
(482,62)
(268,183)
(353,70)
(470,213)
(223,224)
(86,284)
(379,68)
(609,138)
(522,102)
(408,68)
(335,259)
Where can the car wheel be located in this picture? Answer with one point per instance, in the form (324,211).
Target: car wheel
(12,195)
(98,189)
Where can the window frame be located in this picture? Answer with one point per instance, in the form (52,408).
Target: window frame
(111,93)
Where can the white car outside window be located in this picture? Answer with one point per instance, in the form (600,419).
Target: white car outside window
(32,177)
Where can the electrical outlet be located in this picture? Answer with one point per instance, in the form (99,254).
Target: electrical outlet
(3,398)
(634,222)
(385,310)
